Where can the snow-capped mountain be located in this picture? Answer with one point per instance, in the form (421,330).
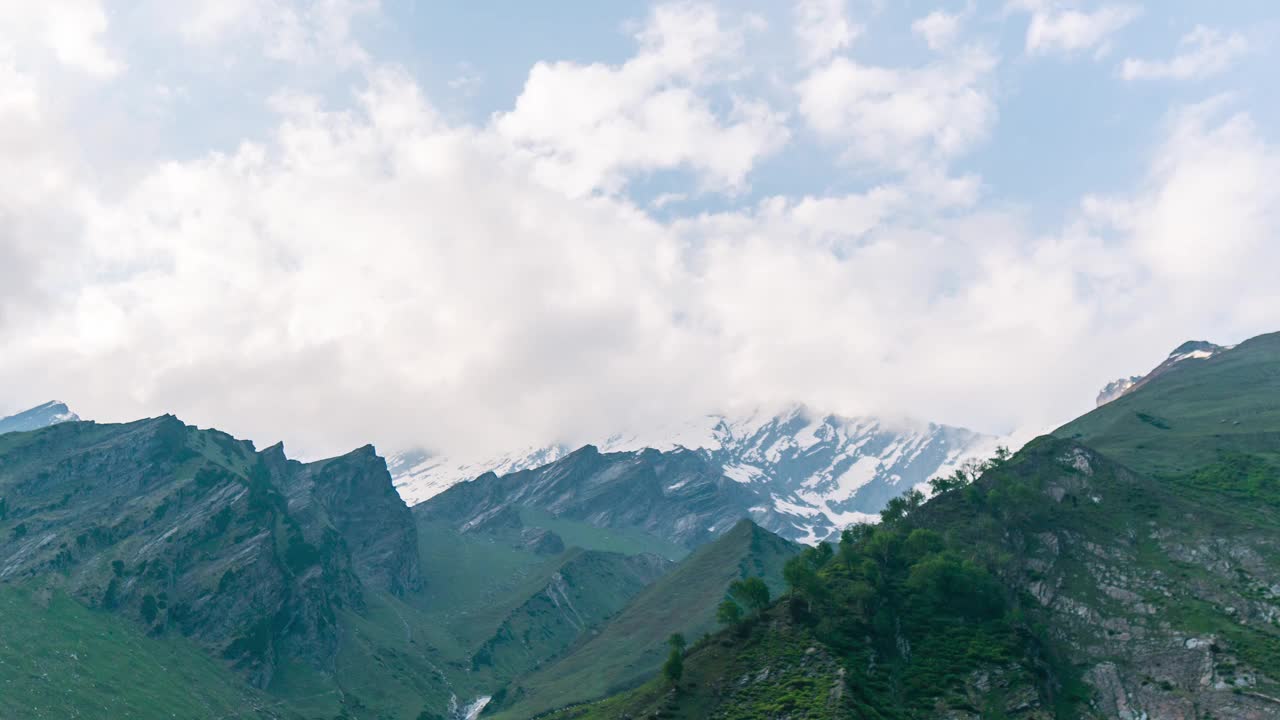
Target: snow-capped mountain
(811,474)
(1190,350)
(50,413)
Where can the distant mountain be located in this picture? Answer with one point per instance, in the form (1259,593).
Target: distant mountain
(1190,350)
(50,413)
(802,475)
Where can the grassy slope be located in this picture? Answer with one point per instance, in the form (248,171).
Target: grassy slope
(1194,412)
(628,541)
(630,648)
(588,589)
(59,660)
(801,681)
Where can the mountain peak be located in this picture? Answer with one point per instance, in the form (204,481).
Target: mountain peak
(1189,350)
(53,412)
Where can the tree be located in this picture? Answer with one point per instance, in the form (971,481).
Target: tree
(729,613)
(676,641)
(673,668)
(801,572)
(752,594)
(901,506)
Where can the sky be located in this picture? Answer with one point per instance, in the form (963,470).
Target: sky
(477,226)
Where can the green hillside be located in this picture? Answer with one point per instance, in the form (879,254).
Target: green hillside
(59,659)
(1194,413)
(629,648)
(1128,568)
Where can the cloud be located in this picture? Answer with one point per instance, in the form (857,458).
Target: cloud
(368,267)
(1056,28)
(902,118)
(590,127)
(823,28)
(938,29)
(70,30)
(1202,52)
(294,31)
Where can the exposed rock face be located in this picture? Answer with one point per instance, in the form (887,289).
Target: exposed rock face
(249,553)
(1116,389)
(678,495)
(356,494)
(1167,604)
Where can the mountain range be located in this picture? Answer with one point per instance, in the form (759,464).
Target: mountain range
(1124,566)
(799,474)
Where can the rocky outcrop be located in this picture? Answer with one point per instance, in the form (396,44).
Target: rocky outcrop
(1167,604)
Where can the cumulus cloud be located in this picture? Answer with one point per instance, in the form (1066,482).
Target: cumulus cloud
(1202,52)
(590,127)
(939,29)
(1056,27)
(822,28)
(902,118)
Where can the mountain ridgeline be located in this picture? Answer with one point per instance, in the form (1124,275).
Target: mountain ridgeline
(800,474)
(1127,566)
(278,589)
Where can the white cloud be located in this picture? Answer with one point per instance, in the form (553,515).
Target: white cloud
(296,31)
(590,127)
(902,118)
(71,30)
(938,29)
(1202,52)
(376,270)
(1057,27)
(823,28)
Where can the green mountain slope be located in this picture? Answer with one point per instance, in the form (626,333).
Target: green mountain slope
(272,567)
(1191,414)
(59,659)
(630,647)
(587,589)
(1128,568)
(312,582)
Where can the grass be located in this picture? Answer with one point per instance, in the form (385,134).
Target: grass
(769,673)
(1193,413)
(58,659)
(628,541)
(631,647)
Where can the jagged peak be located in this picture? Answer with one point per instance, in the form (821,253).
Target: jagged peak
(274,453)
